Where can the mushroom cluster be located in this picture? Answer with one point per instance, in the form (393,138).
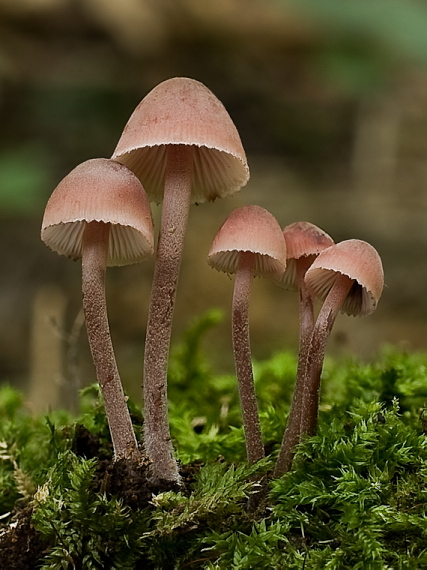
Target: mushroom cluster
(347,277)
(180,147)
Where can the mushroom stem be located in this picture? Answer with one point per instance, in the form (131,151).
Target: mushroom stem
(292,434)
(242,357)
(316,354)
(176,205)
(94,255)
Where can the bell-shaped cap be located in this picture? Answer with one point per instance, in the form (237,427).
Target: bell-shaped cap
(182,111)
(249,229)
(359,261)
(303,239)
(105,191)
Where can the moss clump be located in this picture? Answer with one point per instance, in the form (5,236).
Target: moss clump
(356,497)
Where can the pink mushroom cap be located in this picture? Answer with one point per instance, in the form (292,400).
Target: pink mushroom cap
(303,239)
(249,229)
(105,191)
(183,111)
(358,260)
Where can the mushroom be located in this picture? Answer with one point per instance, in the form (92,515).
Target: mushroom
(100,213)
(348,277)
(250,242)
(304,241)
(183,146)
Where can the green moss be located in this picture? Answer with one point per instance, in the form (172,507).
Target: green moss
(356,497)
(86,529)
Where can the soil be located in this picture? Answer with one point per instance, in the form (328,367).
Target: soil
(21,546)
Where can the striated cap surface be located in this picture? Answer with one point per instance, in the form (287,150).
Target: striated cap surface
(249,229)
(105,191)
(183,111)
(358,260)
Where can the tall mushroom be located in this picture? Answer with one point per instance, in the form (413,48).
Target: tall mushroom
(183,146)
(250,242)
(100,213)
(304,241)
(348,277)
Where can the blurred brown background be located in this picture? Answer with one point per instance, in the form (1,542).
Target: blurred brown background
(330,99)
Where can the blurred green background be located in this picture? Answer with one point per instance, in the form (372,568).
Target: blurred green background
(330,99)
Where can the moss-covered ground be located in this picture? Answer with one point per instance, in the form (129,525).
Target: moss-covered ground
(356,497)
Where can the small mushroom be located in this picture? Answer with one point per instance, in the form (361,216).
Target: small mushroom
(100,213)
(250,242)
(183,146)
(304,241)
(348,277)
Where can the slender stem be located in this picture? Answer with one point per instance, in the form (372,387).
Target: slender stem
(242,358)
(176,205)
(292,434)
(322,329)
(95,247)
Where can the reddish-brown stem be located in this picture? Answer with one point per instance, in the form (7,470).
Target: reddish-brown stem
(243,360)
(292,434)
(176,205)
(316,355)
(95,247)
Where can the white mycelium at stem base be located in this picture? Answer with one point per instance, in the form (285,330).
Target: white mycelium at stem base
(183,146)
(349,278)
(100,213)
(249,243)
